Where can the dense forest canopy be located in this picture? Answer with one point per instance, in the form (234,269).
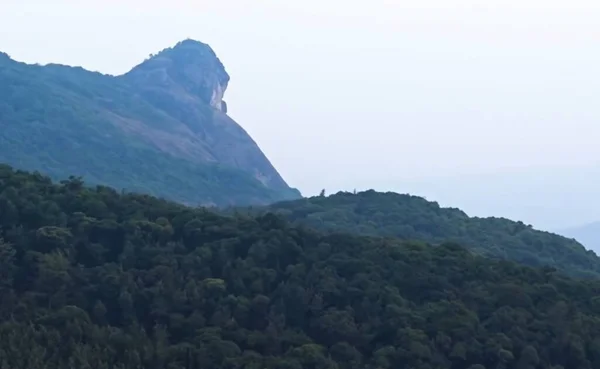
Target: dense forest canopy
(414,218)
(91,278)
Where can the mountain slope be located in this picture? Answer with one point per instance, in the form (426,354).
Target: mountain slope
(414,218)
(588,235)
(160,129)
(90,278)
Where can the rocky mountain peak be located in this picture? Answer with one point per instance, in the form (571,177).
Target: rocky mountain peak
(190,67)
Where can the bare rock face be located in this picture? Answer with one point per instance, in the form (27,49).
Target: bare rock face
(190,67)
(188,82)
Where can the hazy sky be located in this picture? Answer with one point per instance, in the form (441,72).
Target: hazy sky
(426,96)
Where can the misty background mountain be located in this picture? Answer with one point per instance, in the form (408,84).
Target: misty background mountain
(550,197)
(588,235)
(487,107)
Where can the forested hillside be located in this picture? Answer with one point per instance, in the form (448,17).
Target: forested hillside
(161,129)
(414,218)
(91,278)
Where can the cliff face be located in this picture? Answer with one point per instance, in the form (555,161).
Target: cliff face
(189,68)
(161,128)
(188,82)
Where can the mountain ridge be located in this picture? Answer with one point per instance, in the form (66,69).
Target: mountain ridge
(165,116)
(408,217)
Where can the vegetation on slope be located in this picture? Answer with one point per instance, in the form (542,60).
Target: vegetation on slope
(91,278)
(414,218)
(66,121)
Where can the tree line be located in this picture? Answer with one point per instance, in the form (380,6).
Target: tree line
(92,278)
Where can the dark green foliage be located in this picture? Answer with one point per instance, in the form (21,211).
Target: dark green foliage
(414,218)
(95,279)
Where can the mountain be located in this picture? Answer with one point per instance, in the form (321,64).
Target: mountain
(91,278)
(414,218)
(588,235)
(160,129)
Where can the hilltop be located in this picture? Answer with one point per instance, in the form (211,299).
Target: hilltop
(414,218)
(161,129)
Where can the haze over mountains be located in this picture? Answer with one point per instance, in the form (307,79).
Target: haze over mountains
(587,234)
(95,277)
(548,197)
(436,89)
(163,129)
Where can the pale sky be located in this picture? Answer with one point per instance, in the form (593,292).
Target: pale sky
(435,97)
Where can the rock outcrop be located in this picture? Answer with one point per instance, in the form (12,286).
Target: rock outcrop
(184,81)
(190,67)
(161,128)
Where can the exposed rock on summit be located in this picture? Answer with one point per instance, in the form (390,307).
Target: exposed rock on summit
(186,81)
(190,67)
(161,128)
